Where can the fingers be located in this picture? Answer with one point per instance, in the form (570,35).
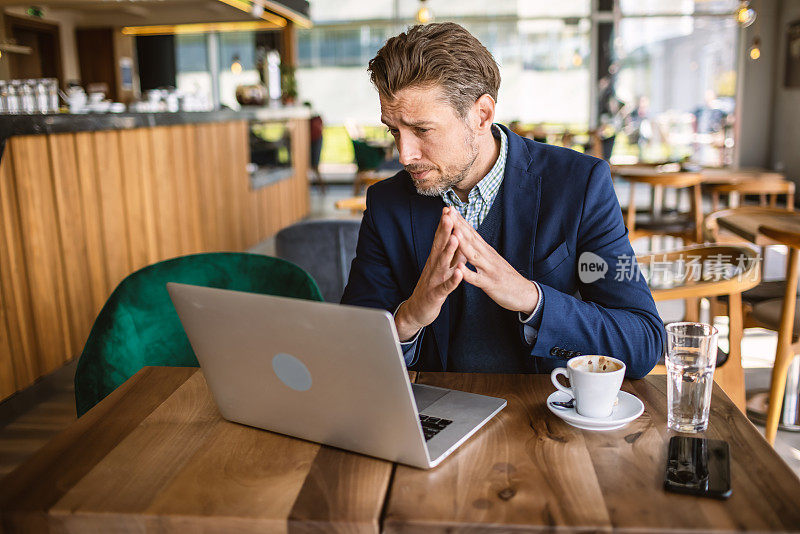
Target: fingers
(470,277)
(467,247)
(445,261)
(443,231)
(458,257)
(449,285)
(472,245)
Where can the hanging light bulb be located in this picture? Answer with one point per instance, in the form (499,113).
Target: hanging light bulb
(424,14)
(755,49)
(577,59)
(236,65)
(745,15)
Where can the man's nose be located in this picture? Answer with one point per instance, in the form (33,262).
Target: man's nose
(409,151)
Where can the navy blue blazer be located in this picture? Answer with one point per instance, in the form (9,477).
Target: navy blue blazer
(557,205)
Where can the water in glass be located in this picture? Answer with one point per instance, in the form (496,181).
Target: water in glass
(690,381)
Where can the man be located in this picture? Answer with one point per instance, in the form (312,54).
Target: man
(475,247)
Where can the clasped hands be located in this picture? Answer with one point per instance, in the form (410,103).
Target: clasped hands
(455,244)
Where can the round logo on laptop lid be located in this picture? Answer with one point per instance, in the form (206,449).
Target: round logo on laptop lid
(291,371)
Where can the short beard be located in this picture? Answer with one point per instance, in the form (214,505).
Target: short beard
(449,176)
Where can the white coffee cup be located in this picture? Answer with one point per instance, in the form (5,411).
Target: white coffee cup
(595,382)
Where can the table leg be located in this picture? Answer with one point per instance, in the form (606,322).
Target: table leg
(657,200)
(730,376)
(785,352)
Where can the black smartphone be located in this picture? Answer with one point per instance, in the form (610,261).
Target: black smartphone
(698,466)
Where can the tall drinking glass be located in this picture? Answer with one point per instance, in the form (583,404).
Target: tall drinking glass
(691,357)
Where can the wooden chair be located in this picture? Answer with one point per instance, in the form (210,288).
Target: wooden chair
(711,233)
(767,185)
(687,226)
(742,274)
(779,314)
(354,204)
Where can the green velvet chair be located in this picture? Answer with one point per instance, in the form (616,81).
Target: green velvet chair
(138,325)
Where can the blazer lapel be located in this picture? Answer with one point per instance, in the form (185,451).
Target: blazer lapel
(521,193)
(425,215)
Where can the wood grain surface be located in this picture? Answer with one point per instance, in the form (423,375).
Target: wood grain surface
(745,224)
(156,456)
(529,470)
(79,212)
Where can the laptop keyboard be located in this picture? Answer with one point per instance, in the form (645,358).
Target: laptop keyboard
(432,425)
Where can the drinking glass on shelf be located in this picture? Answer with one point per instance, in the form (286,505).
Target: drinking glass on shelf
(691,357)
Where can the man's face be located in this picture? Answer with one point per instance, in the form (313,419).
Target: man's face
(437,147)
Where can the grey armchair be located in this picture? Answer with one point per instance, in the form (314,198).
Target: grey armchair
(324,249)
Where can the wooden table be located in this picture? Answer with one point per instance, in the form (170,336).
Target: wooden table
(155,455)
(745,225)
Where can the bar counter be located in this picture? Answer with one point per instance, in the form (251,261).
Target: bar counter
(35,124)
(86,200)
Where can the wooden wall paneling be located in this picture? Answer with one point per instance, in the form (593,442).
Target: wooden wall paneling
(191,194)
(235,184)
(209,204)
(67,187)
(42,248)
(250,223)
(275,208)
(165,193)
(213,203)
(286,203)
(180,171)
(8,382)
(262,200)
(263,213)
(14,280)
(222,183)
(113,212)
(147,181)
(302,150)
(92,219)
(134,168)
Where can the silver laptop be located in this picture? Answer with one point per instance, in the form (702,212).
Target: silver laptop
(328,373)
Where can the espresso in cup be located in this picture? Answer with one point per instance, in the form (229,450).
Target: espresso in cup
(594,383)
(595,364)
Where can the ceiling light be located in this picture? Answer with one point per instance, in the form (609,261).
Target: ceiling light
(236,65)
(424,14)
(745,15)
(755,50)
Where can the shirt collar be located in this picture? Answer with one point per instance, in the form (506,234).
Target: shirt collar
(489,185)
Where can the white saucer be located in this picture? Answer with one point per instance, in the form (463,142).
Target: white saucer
(628,409)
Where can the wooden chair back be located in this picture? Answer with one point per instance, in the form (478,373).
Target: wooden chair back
(743,274)
(673,180)
(766,186)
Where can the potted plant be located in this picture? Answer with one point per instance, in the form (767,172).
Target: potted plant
(288,84)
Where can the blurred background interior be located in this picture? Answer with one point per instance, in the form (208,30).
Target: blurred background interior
(140,130)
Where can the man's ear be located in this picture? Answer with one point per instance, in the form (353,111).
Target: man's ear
(483,112)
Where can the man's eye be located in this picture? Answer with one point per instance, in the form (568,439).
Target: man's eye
(392,131)
(423,130)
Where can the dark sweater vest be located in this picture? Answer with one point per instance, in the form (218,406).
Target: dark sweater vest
(483,335)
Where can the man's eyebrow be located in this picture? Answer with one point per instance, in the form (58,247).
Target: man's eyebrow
(416,124)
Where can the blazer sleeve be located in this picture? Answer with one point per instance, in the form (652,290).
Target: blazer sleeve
(371,282)
(615,314)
